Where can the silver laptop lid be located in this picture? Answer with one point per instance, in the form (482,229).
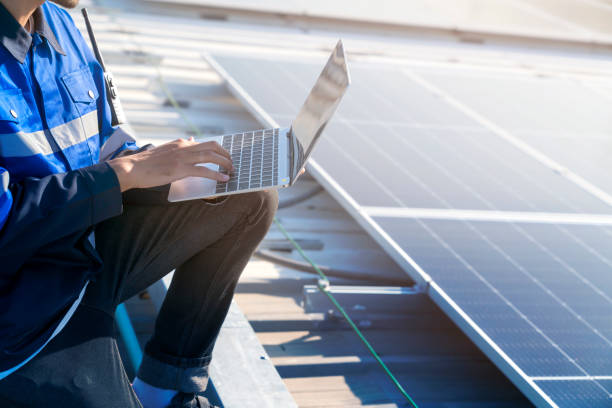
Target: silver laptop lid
(320,104)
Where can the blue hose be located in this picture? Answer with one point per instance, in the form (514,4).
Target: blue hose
(128,335)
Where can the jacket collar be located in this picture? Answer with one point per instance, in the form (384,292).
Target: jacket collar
(17,40)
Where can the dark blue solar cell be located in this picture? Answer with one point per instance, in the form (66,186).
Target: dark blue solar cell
(487,270)
(536,110)
(607,384)
(577,394)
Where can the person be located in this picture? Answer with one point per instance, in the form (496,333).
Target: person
(83,228)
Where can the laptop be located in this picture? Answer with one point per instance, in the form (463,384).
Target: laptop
(273,158)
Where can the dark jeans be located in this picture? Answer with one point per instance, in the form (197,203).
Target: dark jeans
(208,244)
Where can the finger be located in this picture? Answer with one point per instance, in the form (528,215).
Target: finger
(178,143)
(210,157)
(302,171)
(211,146)
(200,171)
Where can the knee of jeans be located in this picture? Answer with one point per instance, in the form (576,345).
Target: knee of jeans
(262,207)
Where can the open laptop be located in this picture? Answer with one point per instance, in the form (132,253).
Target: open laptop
(273,158)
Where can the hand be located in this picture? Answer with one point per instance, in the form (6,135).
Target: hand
(170,162)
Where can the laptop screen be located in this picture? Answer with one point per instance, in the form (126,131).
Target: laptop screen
(321,103)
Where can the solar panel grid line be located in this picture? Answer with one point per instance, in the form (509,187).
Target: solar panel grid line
(367,173)
(470,163)
(516,194)
(490,215)
(574,272)
(546,289)
(501,217)
(583,244)
(376,147)
(442,169)
(470,189)
(493,350)
(562,170)
(572,378)
(496,291)
(524,177)
(577,394)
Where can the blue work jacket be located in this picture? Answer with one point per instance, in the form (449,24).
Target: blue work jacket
(54,186)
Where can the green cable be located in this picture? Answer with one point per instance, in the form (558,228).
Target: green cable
(323,288)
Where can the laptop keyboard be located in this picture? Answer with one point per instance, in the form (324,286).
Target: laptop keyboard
(255,159)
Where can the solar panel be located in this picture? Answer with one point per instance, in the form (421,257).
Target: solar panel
(568,119)
(517,252)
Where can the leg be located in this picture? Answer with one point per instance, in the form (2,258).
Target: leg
(80,367)
(209,245)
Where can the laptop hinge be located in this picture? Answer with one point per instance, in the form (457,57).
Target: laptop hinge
(292,149)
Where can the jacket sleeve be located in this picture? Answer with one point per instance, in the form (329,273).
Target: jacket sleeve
(37,211)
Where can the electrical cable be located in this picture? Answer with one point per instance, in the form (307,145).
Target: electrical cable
(323,285)
(281,260)
(291,201)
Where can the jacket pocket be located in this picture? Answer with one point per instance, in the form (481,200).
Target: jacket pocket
(81,87)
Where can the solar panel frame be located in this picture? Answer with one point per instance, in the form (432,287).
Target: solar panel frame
(530,387)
